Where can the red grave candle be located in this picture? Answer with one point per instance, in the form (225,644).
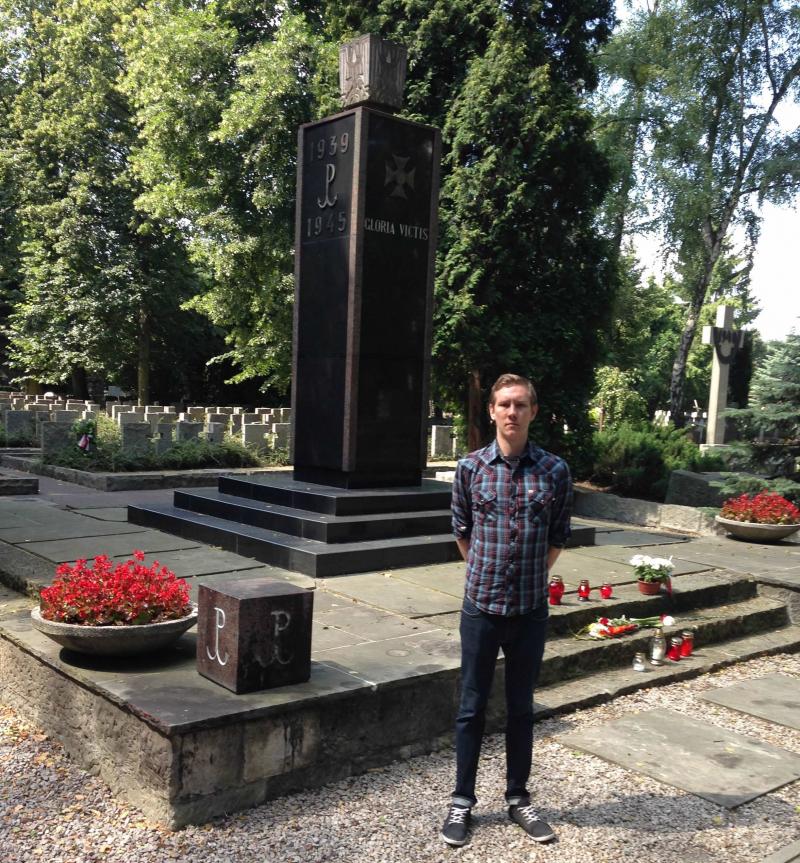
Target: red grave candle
(674,652)
(584,590)
(688,643)
(606,591)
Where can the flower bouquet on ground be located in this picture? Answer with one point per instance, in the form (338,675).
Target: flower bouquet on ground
(605,627)
(652,572)
(765,516)
(115,594)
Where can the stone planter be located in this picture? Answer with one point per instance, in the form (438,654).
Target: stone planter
(755,532)
(114,640)
(649,588)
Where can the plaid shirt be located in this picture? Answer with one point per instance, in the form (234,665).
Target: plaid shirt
(511,516)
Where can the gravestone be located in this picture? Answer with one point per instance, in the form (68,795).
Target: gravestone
(281,434)
(163,436)
(136,437)
(365,243)
(726,342)
(254,633)
(442,441)
(54,437)
(185,430)
(20,425)
(215,432)
(254,435)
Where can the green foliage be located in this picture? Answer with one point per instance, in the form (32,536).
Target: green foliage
(774,410)
(733,484)
(108,456)
(219,90)
(689,119)
(617,399)
(88,266)
(636,461)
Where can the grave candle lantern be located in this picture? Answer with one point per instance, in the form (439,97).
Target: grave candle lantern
(606,591)
(555,590)
(674,652)
(584,590)
(658,648)
(687,648)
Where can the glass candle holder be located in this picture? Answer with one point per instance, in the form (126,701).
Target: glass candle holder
(606,591)
(584,590)
(638,662)
(658,648)
(555,590)
(674,652)
(687,648)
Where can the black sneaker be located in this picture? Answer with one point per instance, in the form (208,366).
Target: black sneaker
(456,826)
(528,819)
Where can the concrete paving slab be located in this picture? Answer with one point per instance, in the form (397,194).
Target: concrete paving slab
(742,556)
(193,562)
(721,766)
(775,698)
(390,594)
(787,578)
(632,538)
(787,854)
(104,513)
(325,637)
(148,541)
(396,658)
(369,623)
(613,554)
(446,577)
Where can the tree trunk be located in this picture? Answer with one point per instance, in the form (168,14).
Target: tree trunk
(687,337)
(143,371)
(80,388)
(474,411)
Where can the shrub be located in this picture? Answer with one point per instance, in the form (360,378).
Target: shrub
(636,461)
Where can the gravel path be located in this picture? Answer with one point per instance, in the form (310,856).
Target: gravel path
(51,810)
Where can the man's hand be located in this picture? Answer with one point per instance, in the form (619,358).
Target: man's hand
(463,546)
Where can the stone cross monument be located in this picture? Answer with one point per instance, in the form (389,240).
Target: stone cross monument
(365,240)
(726,342)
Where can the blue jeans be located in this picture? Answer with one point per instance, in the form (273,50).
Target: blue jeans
(522,641)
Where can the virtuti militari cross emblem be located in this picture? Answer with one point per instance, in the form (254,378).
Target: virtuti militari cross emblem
(400,176)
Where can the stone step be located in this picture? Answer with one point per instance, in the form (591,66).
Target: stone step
(567,696)
(690,591)
(569,657)
(313,525)
(281,489)
(317,559)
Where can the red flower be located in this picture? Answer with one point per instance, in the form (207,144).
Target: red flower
(107,594)
(762,508)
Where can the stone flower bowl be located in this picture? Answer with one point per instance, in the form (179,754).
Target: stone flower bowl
(114,640)
(755,532)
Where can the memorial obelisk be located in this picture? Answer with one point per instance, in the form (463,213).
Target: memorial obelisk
(365,241)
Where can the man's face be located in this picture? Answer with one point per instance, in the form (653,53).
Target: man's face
(513,412)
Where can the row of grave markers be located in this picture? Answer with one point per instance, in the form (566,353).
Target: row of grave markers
(159,427)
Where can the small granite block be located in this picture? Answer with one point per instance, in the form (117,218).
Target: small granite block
(254,633)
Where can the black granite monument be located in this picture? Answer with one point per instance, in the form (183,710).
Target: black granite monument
(365,243)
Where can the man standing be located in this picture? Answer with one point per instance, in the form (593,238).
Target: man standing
(511,511)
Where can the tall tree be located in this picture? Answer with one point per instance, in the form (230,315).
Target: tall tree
(523,281)
(94,273)
(219,90)
(717,73)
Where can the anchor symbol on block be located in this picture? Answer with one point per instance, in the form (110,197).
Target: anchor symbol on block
(400,175)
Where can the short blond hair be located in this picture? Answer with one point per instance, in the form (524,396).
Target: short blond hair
(510,380)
